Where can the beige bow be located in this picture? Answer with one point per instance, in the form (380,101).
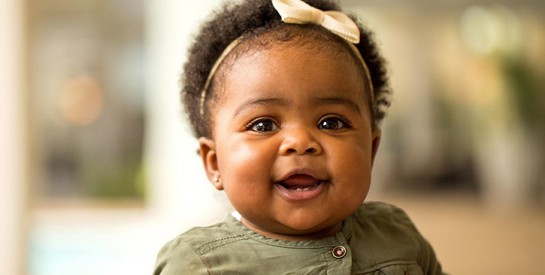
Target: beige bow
(299,12)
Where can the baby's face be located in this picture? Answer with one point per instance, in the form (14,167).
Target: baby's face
(292,141)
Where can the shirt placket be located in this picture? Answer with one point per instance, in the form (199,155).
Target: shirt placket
(339,257)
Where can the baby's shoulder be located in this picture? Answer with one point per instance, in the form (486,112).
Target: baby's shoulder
(387,233)
(184,254)
(204,239)
(385,227)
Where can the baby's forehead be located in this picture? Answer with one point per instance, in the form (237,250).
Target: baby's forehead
(288,39)
(275,59)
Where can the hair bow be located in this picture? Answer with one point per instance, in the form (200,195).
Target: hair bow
(299,12)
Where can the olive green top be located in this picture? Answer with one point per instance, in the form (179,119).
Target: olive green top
(377,239)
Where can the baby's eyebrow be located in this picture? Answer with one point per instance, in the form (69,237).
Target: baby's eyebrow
(316,101)
(261,102)
(338,101)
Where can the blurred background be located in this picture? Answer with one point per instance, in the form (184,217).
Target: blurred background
(99,169)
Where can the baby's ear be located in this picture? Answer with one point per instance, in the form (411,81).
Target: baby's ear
(377,133)
(207,149)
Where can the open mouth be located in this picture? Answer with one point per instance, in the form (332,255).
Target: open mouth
(300,183)
(300,187)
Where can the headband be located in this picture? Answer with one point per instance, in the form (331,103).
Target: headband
(299,12)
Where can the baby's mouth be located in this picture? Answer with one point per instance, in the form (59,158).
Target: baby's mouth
(298,188)
(300,183)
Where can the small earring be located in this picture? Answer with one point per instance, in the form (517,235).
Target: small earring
(216,178)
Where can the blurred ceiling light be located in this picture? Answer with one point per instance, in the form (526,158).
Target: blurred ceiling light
(81,100)
(488,29)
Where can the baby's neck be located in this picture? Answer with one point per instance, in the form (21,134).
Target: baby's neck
(314,235)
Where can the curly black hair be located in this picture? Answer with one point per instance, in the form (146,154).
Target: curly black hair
(251,18)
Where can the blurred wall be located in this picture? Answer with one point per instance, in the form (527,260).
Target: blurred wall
(12,124)
(179,193)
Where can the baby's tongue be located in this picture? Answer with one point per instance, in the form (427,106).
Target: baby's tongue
(299,181)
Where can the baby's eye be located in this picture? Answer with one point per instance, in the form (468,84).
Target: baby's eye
(333,123)
(263,125)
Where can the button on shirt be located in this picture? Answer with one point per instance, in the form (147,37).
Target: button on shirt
(377,239)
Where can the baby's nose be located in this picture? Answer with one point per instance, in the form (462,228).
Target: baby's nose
(300,141)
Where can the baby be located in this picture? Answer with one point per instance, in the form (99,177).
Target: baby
(286,98)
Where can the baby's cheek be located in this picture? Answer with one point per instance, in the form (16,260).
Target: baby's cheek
(246,163)
(353,170)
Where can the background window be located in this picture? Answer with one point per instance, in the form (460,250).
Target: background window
(86,89)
